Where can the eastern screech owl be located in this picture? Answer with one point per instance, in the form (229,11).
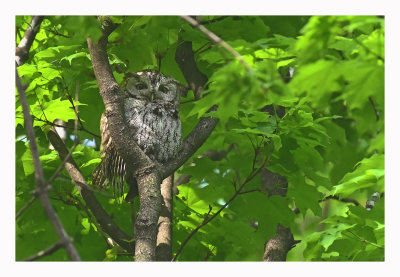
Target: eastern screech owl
(151,109)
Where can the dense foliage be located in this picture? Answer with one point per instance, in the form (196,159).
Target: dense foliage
(326,73)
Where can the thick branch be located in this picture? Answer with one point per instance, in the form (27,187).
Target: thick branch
(184,57)
(105,221)
(164,236)
(114,108)
(22,51)
(39,177)
(145,171)
(138,163)
(277,247)
(191,143)
(147,219)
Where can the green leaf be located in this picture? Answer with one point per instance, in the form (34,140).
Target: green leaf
(27,70)
(330,235)
(49,73)
(74,56)
(367,174)
(305,196)
(54,53)
(55,109)
(319,80)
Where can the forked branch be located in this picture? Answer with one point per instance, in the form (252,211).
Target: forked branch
(137,162)
(148,174)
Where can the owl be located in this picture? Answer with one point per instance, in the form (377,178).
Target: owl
(151,102)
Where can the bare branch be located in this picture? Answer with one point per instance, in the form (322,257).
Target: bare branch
(61,166)
(22,51)
(101,215)
(184,57)
(216,39)
(191,143)
(368,50)
(374,107)
(39,177)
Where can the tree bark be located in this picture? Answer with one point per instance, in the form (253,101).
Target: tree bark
(137,162)
(184,57)
(147,173)
(105,221)
(164,236)
(276,248)
(22,51)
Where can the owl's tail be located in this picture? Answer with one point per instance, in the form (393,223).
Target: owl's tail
(110,171)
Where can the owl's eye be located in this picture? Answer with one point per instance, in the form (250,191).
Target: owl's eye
(163,89)
(141,86)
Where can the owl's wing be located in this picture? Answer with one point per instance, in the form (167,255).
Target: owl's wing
(111,169)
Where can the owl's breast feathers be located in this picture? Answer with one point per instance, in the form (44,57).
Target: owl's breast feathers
(167,109)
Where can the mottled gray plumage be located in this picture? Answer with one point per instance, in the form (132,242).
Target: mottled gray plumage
(152,111)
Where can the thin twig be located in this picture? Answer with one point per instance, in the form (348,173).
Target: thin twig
(216,39)
(207,219)
(80,206)
(374,107)
(249,191)
(56,33)
(77,118)
(362,239)
(214,20)
(45,252)
(83,129)
(368,50)
(40,105)
(61,166)
(25,206)
(76,111)
(344,200)
(206,46)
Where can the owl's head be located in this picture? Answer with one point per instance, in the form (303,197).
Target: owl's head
(152,86)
